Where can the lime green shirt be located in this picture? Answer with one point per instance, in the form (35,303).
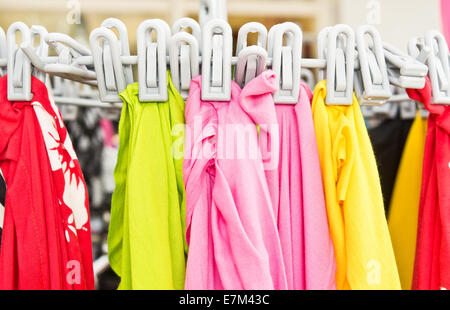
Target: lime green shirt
(146,239)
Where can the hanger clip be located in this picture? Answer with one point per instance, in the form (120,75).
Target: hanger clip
(184,54)
(251,59)
(66,64)
(185,23)
(217,43)
(107,64)
(212,9)
(184,61)
(152,62)
(41,50)
(403,70)
(19,66)
(286,61)
(124,47)
(373,71)
(439,70)
(340,65)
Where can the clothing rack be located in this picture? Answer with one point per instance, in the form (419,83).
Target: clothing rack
(366,68)
(345,57)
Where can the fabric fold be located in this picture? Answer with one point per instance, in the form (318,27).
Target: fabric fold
(431,270)
(231,229)
(46,242)
(358,227)
(295,183)
(146,244)
(404,208)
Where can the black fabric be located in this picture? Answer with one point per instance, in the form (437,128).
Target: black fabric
(388,140)
(86,135)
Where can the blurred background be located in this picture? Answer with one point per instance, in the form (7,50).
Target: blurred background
(94,134)
(397,20)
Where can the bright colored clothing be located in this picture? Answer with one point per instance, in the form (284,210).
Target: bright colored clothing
(388,142)
(404,209)
(362,245)
(46,241)
(230,225)
(146,234)
(445,18)
(431,268)
(295,183)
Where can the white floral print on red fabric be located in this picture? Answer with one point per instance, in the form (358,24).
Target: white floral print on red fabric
(72,191)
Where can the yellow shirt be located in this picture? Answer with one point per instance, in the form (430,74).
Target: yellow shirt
(364,255)
(404,209)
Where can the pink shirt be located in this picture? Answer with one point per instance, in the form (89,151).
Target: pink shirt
(295,184)
(230,225)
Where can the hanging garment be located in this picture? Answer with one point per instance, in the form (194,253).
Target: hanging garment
(46,241)
(388,140)
(295,183)
(87,139)
(2,204)
(230,226)
(363,249)
(146,245)
(445,18)
(404,209)
(431,269)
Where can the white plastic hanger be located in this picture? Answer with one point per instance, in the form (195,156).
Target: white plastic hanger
(439,70)
(340,65)
(67,64)
(114,69)
(286,61)
(403,70)
(252,27)
(212,9)
(217,44)
(185,23)
(418,50)
(152,62)
(41,50)
(124,44)
(19,66)
(73,58)
(373,70)
(184,54)
(322,41)
(251,62)
(184,61)
(251,59)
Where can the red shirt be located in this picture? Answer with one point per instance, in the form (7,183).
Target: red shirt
(46,241)
(432,262)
